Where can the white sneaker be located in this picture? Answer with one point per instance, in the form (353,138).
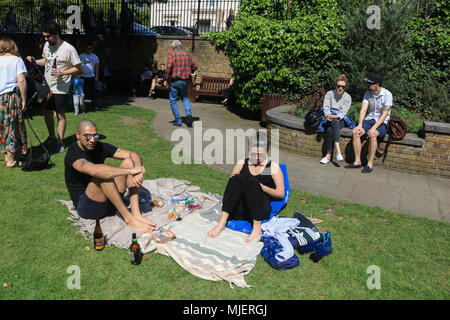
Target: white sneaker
(60,148)
(339,157)
(324,160)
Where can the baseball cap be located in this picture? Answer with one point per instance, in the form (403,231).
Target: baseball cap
(374,78)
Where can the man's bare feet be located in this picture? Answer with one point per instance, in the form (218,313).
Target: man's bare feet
(140,227)
(145,220)
(214,232)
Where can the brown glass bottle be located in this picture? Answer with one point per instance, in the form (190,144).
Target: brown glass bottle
(99,239)
(54,64)
(135,251)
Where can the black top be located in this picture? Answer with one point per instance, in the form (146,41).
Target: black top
(265,177)
(76,181)
(160,74)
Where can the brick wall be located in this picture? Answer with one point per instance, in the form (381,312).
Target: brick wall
(415,155)
(126,56)
(210,61)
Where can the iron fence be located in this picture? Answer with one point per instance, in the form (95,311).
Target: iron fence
(166,17)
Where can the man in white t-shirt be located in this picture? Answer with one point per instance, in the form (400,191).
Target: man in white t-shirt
(90,67)
(377,101)
(61,61)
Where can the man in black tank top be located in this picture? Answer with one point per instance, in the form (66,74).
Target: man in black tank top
(253,183)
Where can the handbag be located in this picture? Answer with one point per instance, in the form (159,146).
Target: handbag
(396,131)
(313,118)
(40,162)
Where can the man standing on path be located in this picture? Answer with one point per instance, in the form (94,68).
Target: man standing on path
(180,67)
(90,66)
(378,101)
(61,61)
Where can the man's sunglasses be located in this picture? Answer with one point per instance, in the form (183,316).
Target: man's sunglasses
(340,86)
(90,136)
(47,36)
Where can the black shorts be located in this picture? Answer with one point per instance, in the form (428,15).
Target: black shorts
(58,103)
(90,209)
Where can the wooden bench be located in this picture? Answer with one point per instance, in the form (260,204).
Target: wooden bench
(210,86)
(166,90)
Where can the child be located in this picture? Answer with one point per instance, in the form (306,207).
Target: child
(78,94)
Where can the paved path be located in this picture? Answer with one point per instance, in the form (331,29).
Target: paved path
(419,195)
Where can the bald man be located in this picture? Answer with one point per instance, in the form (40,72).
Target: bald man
(95,188)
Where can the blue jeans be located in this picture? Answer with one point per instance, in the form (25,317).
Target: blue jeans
(179,87)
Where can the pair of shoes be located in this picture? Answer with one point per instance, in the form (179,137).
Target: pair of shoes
(189,121)
(339,157)
(352,166)
(17,164)
(50,141)
(324,160)
(60,148)
(367,169)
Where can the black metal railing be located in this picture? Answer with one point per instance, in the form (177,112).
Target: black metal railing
(165,17)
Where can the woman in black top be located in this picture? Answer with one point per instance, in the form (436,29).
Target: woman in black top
(253,182)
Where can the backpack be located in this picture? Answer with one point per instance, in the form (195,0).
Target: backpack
(313,118)
(396,131)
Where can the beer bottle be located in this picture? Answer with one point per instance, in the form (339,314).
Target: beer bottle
(135,251)
(99,239)
(54,64)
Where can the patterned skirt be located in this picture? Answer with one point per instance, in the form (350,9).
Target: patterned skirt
(13,134)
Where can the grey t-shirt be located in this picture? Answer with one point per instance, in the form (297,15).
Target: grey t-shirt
(66,57)
(333,101)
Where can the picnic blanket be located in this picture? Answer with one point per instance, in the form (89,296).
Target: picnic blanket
(227,257)
(118,234)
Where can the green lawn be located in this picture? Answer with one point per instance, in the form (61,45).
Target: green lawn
(38,243)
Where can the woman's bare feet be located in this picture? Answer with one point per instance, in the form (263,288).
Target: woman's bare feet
(256,231)
(254,235)
(214,232)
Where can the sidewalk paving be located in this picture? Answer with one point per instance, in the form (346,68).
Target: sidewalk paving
(420,195)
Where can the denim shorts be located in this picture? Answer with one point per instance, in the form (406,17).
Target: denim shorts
(368,124)
(90,209)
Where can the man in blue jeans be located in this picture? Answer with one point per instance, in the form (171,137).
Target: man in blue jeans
(377,101)
(180,67)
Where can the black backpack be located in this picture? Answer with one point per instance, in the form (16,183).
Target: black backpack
(313,119)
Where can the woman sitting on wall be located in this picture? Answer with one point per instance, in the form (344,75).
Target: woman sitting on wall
(249,190)
(335,106)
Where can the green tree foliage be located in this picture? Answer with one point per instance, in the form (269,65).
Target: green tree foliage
(280,46)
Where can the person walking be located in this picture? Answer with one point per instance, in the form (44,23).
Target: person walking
(180,67)
(13,95)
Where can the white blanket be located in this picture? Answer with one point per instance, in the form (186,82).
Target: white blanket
(114,228)
(227,257)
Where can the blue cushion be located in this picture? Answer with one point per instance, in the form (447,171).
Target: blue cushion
(277,205)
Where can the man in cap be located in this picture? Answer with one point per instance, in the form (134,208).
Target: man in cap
(377,103)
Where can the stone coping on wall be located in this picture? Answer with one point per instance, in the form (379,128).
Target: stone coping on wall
(437,127)
(281,116)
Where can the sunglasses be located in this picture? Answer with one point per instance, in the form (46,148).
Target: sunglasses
(47,36)
(90,136)
(340,86)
